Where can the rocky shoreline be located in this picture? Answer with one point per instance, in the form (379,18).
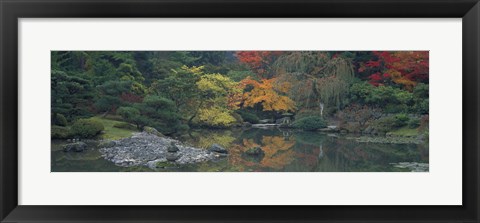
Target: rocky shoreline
(388,140)
(412,166)
(146,149)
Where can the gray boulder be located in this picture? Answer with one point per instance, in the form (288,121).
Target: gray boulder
(76,147)
(172,157)
(172,148)
(217,149)
(153,131)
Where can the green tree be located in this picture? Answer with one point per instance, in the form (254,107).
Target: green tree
(70,95)
(108,99)
(318,80)
(132,115)
(420,98)
(179,86)
(160,113)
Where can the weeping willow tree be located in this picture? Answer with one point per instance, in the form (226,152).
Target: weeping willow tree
(317,80)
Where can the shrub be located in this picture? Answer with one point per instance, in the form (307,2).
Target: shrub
(421,94)
(59,119)
(421,106)
(384,124)
(390,99)
(86,128)
(400,120)
(249,117)
(414,123)
(307,113)
(183,127)
(362,115)
(60,132)
(128,113)
(390,123)
(310,123)
(237,117)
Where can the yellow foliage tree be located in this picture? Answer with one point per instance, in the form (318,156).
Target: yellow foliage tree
(216,116)
(215,92)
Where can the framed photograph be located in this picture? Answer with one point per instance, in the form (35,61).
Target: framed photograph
(228,111)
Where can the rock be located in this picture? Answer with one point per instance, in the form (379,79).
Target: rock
(264,126)
(247,124)
(254,154)
(221,155)
(172,148)
(265,121)
(255,151)
(76,146)
(217,148)
(153,131)
(284,120)
(172,157)
(144,149)
(106,144)
(388,140)
(325,130)
(412,166)
(332,127)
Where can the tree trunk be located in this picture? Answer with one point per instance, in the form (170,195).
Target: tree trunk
(321,105)
(105,114)
(189,123)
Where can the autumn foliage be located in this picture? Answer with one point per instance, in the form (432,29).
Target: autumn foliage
(259,61)
(265,93)
(405,68)
(278,152)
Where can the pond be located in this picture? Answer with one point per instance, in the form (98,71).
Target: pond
(284,151)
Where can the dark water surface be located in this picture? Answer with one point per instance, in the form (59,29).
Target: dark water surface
(284,151)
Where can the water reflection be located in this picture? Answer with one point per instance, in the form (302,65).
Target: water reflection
(283,151)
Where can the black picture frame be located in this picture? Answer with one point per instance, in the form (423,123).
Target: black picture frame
(12,10)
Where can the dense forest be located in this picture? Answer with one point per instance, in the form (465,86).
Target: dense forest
(173,92)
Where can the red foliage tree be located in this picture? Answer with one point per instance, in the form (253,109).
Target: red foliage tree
(259,61)
(406,68)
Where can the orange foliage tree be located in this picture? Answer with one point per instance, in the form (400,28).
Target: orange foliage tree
(267,94)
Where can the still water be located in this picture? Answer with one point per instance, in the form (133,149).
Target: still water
(284,151)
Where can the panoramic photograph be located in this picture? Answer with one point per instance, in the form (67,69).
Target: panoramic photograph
(239,111)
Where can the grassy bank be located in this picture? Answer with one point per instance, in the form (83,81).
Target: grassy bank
(404,132)
(111,132)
